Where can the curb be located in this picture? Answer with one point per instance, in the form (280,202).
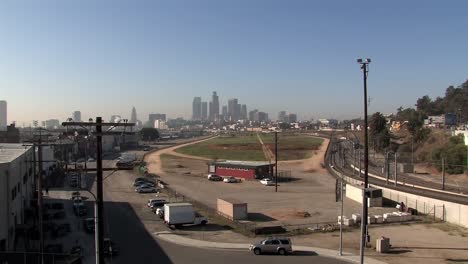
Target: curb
(185,241)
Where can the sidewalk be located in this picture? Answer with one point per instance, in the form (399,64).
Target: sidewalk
(185,241)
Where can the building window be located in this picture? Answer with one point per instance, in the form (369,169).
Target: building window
(19,187)
(13,194)
(25,178)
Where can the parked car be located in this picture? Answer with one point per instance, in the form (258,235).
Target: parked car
(146,149)
(214,177)
(159,202)
(231,180)
(267,182)
(146,189)
(88,224)
(140,183)
(282,246)
(109,248)
(80,209)
(90,160)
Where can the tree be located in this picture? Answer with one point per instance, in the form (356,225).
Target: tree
(424,104)
(378,131)
(149,134)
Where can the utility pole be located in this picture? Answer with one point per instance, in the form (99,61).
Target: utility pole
(276,161)
(99,209)
(341,216)
(443,173)
(396,170)
(365,69)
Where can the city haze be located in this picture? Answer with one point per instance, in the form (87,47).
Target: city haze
(105,57)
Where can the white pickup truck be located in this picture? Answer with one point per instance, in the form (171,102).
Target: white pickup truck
(178,214)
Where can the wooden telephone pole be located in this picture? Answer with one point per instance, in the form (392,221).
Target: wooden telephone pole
(99,171)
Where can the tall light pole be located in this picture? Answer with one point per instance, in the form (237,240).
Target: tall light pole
(365,69)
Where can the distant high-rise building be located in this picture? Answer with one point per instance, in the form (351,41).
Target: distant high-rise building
(76,116)
(214,107)
(204,110)
(282,117)
(261,117)
(133,118)
(232,109)
(225,112)
(244,112)
(3,115)
(253,115)
(197,108)
(154,117)
(160,124)
(292,118)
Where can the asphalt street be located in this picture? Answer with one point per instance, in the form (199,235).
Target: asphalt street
(136,245)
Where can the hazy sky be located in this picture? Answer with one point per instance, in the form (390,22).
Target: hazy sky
(103,57)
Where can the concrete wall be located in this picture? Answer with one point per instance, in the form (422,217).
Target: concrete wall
(354,193)
(451,212)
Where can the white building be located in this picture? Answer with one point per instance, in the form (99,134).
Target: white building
(16,189)
(3,115)
(160,124)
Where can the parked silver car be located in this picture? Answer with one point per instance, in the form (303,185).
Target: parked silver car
(280,245)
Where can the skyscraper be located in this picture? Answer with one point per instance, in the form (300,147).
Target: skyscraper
(214,107)
(204,110)
(196,108)
(225,112)
(232,109)
(244,112)
(282,117)
(133,118)
(3,115)
(76,116)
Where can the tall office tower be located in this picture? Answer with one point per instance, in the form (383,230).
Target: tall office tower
(253,115)
(292,118)
(196,108)
(133,118)
(3,115)
(244,112)
(214,107)
(237,112)
(76,116)
(225,112)
(204,111)
(232,108)
(282,117)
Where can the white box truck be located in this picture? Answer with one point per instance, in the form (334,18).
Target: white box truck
(178,214)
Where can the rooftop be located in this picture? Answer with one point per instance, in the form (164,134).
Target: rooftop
(11,151)
(242,163)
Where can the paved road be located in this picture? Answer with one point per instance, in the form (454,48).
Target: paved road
(138,246)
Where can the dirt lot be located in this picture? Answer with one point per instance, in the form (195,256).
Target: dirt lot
(310,193)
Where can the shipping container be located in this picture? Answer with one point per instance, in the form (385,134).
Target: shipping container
(232,209)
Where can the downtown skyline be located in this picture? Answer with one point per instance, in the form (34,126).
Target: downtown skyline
(104,58)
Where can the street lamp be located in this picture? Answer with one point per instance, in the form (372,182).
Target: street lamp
(365,70)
